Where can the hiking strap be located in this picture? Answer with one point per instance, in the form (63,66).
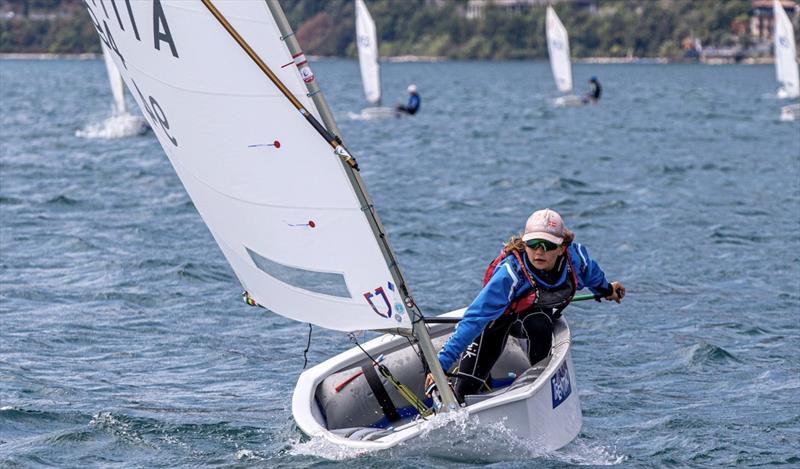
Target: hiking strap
(380,393)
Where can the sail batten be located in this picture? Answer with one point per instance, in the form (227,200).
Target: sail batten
(558,50)
(262,178)
(367,42)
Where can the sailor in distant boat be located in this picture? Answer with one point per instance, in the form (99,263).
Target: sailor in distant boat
(595,90)
(525,289)
(413,101)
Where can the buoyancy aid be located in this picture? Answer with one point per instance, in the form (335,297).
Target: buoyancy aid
(552,301)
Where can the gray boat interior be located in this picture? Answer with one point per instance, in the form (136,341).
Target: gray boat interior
(355,412)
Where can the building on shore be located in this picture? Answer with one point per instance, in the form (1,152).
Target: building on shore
(762,18)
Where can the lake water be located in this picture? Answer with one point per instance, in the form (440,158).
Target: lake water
(124,341)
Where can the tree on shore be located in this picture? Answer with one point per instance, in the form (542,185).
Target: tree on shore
(609,28)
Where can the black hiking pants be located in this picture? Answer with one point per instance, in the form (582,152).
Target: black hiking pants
(478,359)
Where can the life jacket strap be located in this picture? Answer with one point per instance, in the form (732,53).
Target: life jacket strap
(557,312)
(525,302)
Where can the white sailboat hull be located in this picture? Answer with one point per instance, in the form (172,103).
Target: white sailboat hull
(790,113)
(545,410)
(571,101)
(374,113)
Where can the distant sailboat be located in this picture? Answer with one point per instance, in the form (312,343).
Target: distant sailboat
(560,63)
(367,42)
(121,123)
(117,84)
(785,54)
(786,62)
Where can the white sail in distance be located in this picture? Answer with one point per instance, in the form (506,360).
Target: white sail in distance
(785,54)
(367,41)
(115,80)
(558,50)
(271,190)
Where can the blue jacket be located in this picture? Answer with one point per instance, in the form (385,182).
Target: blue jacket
(413,102)
(509,282)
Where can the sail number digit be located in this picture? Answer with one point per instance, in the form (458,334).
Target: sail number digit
(155,112)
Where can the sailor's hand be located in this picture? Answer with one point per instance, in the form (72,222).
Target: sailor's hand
(428,381)
(617,292)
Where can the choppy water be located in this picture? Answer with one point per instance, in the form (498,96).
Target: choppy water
(124,342)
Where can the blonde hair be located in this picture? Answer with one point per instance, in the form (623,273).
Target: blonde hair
(517,244)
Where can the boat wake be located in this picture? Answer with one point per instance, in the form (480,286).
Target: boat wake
(117,126)
(319,447)
(580,453)
(457,437)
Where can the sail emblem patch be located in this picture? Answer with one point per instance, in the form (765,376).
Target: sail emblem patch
(385,304)
(560,385)
(379,309)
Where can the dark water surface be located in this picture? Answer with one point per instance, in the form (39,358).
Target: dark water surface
(124,342)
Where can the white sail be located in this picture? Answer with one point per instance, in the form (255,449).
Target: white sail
(558,49)
(367,40)
(785,54)
(272,192)
(115,79)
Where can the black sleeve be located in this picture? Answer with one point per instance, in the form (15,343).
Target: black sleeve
(605,291)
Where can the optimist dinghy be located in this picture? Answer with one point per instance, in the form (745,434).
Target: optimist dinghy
(560,62)
(236,108)
(367,42)
(339,401)
(786,71)
(785,54)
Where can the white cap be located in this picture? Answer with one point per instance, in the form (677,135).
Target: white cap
(545,224)
(412,88)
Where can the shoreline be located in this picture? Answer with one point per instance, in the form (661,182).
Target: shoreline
(48,56)
(430,59)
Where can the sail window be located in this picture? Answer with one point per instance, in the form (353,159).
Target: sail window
(327,283)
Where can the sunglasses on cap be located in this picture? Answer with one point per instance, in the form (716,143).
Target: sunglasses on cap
(541,243)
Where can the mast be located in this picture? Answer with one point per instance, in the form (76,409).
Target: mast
(314,91)
(331,134)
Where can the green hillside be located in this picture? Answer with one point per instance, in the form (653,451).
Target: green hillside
(598,28)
